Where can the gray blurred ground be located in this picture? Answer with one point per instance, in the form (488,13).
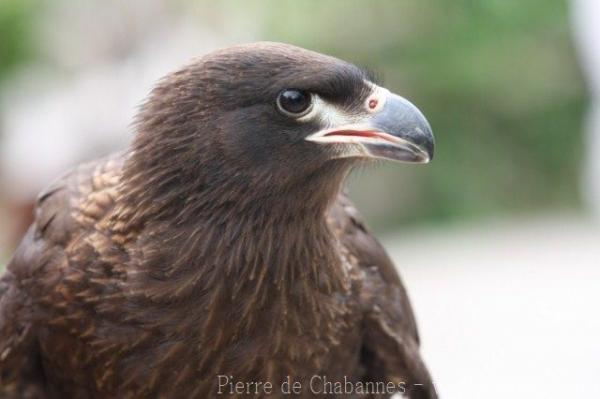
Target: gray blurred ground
(507,308)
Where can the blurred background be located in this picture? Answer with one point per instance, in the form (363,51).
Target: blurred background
(497,239)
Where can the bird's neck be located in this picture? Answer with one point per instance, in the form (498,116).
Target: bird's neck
(222,195)
(256,269)
(217,238)
(263,247)
(234,237)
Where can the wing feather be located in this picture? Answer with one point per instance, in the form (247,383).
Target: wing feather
(37,265)
(391,343)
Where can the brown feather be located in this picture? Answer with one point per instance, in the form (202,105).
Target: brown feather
(148,274)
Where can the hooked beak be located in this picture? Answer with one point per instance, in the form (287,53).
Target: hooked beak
(397,131)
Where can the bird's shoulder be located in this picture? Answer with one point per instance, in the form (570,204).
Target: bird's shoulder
(381,289)
(78,200)
(50,268)
(66,215)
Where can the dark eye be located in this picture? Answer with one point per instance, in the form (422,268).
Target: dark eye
(294,102)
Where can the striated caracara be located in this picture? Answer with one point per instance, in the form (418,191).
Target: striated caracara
(219,248)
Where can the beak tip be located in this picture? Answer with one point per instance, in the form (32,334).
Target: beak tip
(426,157)
(425,142)
(429,149)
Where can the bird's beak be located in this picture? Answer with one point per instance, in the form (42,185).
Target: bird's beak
(397,131)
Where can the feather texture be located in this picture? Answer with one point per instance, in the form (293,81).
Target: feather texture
(149,274)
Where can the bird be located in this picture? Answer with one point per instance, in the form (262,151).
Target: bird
(220,248)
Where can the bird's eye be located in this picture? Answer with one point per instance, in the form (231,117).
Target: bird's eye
(294,102)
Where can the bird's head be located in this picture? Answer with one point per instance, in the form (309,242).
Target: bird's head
(269,117)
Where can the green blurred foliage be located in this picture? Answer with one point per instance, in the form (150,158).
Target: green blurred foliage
(498,81)
(15,34)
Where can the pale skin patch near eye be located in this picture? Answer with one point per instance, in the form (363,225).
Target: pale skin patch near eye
(376,100)
(332,115)
(329,114)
